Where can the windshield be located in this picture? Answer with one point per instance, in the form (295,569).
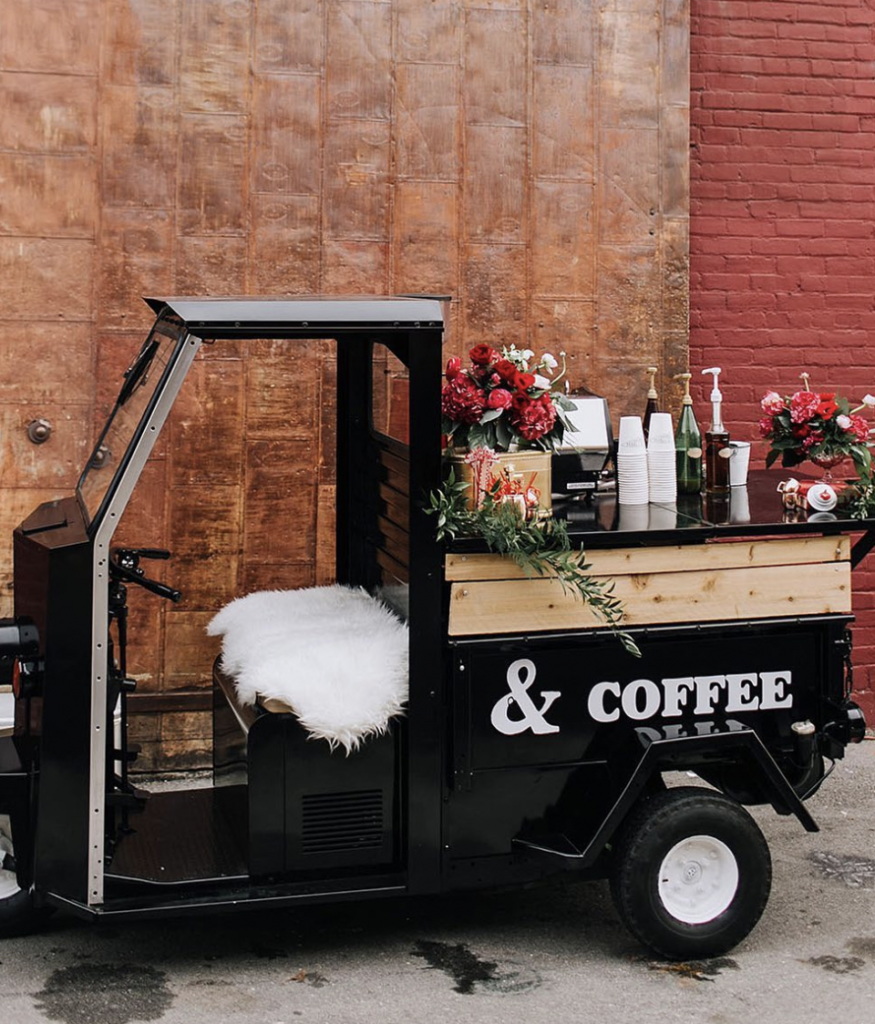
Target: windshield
(137,389)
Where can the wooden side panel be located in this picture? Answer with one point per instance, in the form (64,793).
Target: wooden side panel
(689,558)
(526,606)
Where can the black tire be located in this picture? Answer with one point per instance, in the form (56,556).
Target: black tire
(713,890)
(18,915)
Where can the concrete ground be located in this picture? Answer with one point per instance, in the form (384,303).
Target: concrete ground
(544,955)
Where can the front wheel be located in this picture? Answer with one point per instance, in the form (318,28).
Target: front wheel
(691,873)
(17,912)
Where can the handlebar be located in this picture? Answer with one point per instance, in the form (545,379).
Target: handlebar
(133,555)
(124,565)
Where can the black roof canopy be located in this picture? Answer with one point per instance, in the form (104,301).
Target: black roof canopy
(248,316)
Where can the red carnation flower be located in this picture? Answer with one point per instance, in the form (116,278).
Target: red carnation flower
(483,355)
(454,367)
(814,438)
(462,401)
(766,426)
(499,399)
(803,406)
(859,427)
(532,418)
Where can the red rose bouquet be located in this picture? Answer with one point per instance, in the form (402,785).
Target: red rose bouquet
(818,426)
(503,399)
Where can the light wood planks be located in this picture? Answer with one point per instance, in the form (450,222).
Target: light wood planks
(761,579)
(626,561)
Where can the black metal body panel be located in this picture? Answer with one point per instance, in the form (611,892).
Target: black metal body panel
(53,566)
(548,731)
(313,810)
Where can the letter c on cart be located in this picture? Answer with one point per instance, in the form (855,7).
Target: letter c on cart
(520,676)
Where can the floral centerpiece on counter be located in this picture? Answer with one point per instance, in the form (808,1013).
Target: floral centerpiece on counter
(502,417)
(818,426)
(539,545)
(503,400)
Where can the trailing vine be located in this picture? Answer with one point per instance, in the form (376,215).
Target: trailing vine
(862,504)
(539,547)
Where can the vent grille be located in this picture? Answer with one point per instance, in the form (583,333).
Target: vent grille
(342,821)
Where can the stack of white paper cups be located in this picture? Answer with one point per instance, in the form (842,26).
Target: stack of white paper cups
(661,459)
(632,488)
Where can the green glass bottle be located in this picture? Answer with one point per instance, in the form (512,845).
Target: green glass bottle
(688,444)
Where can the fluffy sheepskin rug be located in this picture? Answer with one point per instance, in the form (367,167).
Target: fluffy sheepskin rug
(337,655)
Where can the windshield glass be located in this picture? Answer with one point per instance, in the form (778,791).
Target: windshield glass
(137,389)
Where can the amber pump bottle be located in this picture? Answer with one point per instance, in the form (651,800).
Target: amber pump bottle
(717,450)
(652,400)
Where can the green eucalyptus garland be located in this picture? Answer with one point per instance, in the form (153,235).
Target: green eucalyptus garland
(539,547)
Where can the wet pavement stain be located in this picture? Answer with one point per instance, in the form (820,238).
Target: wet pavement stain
(855,872)
(698,970)
(464,967)
(104,993)
(470,973)
(861,947)
(837,964)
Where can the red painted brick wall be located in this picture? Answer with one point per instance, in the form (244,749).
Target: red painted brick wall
(782,205)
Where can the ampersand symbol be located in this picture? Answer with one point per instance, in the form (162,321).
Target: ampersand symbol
(520,676)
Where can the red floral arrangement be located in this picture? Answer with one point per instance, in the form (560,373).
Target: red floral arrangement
(816,425)
(503,399)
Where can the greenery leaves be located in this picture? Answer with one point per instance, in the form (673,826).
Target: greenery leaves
(540,547)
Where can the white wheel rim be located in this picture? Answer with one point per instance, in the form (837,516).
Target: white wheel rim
(698,879)
(8,882)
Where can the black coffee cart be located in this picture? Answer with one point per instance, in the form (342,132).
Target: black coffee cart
(532,743)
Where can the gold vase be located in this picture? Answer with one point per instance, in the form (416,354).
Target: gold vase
(530,468)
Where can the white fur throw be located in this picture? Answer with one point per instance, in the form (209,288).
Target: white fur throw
(335,654)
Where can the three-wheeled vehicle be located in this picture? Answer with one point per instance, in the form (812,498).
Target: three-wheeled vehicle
(532,742)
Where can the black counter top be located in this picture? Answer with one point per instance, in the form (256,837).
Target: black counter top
(755,510)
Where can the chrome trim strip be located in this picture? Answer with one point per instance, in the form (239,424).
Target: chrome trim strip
(183,358)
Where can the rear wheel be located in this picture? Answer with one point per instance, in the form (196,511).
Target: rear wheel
(17,912)
(692,873)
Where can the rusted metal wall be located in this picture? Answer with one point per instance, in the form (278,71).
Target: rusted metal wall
(527,158)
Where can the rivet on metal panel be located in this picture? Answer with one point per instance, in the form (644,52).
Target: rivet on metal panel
(100,457)
(464,593)
(39,431)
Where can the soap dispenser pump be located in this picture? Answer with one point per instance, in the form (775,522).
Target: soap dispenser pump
(717,450)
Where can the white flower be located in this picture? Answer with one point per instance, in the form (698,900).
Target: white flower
(843,421)
(542,382)
(527,353)
(548,361)
(869,400)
